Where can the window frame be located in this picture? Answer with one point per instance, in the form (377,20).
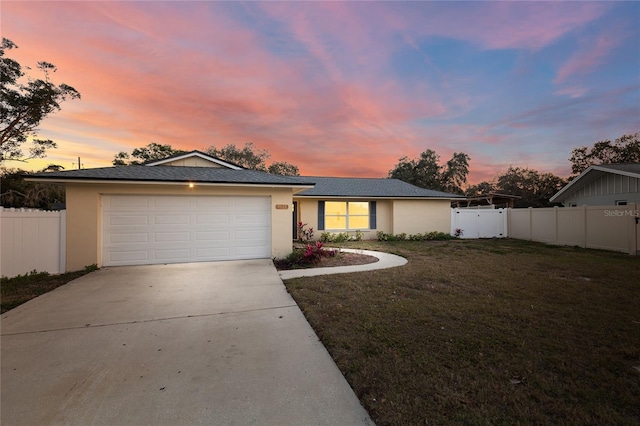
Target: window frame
(347,215)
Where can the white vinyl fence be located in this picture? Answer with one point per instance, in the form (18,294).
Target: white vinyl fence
(32,240)
(480,223)
(599,227)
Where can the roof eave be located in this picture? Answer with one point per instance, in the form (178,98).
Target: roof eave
(603,168)
(380,197)
(566,188)
(301,186)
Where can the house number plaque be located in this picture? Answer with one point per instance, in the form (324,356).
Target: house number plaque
(282,206)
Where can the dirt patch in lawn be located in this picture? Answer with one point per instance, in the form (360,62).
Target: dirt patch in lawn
(346,259)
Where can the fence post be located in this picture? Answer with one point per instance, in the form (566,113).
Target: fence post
(1,211)
(634,229)
(586,227)
(555,224)
(530,210)
(62,254)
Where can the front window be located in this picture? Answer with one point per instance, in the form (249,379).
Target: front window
(346,215)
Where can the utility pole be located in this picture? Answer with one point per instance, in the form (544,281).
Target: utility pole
(79,164)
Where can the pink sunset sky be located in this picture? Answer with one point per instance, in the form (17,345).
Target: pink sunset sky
(337,88)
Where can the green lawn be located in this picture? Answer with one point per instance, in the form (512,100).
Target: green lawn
(485,332)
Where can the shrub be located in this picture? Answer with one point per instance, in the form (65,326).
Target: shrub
(329,237)
(91,268)
(307,256)
(304,233)
(427,236)
(438,236)
(382,236)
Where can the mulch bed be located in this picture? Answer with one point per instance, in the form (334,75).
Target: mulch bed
(341,259)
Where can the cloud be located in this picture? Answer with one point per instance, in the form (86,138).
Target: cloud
(572,92)
(320,84)
(591,55)
(495,25)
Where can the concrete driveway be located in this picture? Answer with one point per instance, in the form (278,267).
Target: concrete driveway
(200,343)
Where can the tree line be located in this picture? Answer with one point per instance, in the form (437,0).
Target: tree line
(248,157)
(533,187)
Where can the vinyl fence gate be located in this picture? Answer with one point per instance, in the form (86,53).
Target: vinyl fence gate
(480,223)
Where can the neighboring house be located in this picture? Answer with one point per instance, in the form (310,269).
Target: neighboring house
(602,185)
(193,207)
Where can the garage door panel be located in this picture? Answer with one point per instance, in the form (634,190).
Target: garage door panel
(161,237)
(130,256)
(129,202)
(217,253)
(248,203)
(172,219)
(212,218)
(247,252)
(208,203)
(257,235)
(128,238)
(221,236)
(129,220)
(173,254)
(250,220)
(171,229)
(170,202)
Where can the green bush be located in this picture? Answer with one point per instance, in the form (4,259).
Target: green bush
(382,236)
(91,268)
(438,236)
(427,236)
(330,237)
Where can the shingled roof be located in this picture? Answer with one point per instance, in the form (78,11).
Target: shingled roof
(367,187)
(170,174)
(324,186)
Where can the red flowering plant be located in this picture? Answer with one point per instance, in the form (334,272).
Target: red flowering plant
(314,252)
(304,257)
(304,233)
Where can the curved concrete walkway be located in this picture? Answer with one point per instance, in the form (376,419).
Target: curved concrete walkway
(385,260)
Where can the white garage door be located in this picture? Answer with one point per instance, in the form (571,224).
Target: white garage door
(139,230)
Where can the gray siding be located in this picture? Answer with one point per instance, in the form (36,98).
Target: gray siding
(606,190)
